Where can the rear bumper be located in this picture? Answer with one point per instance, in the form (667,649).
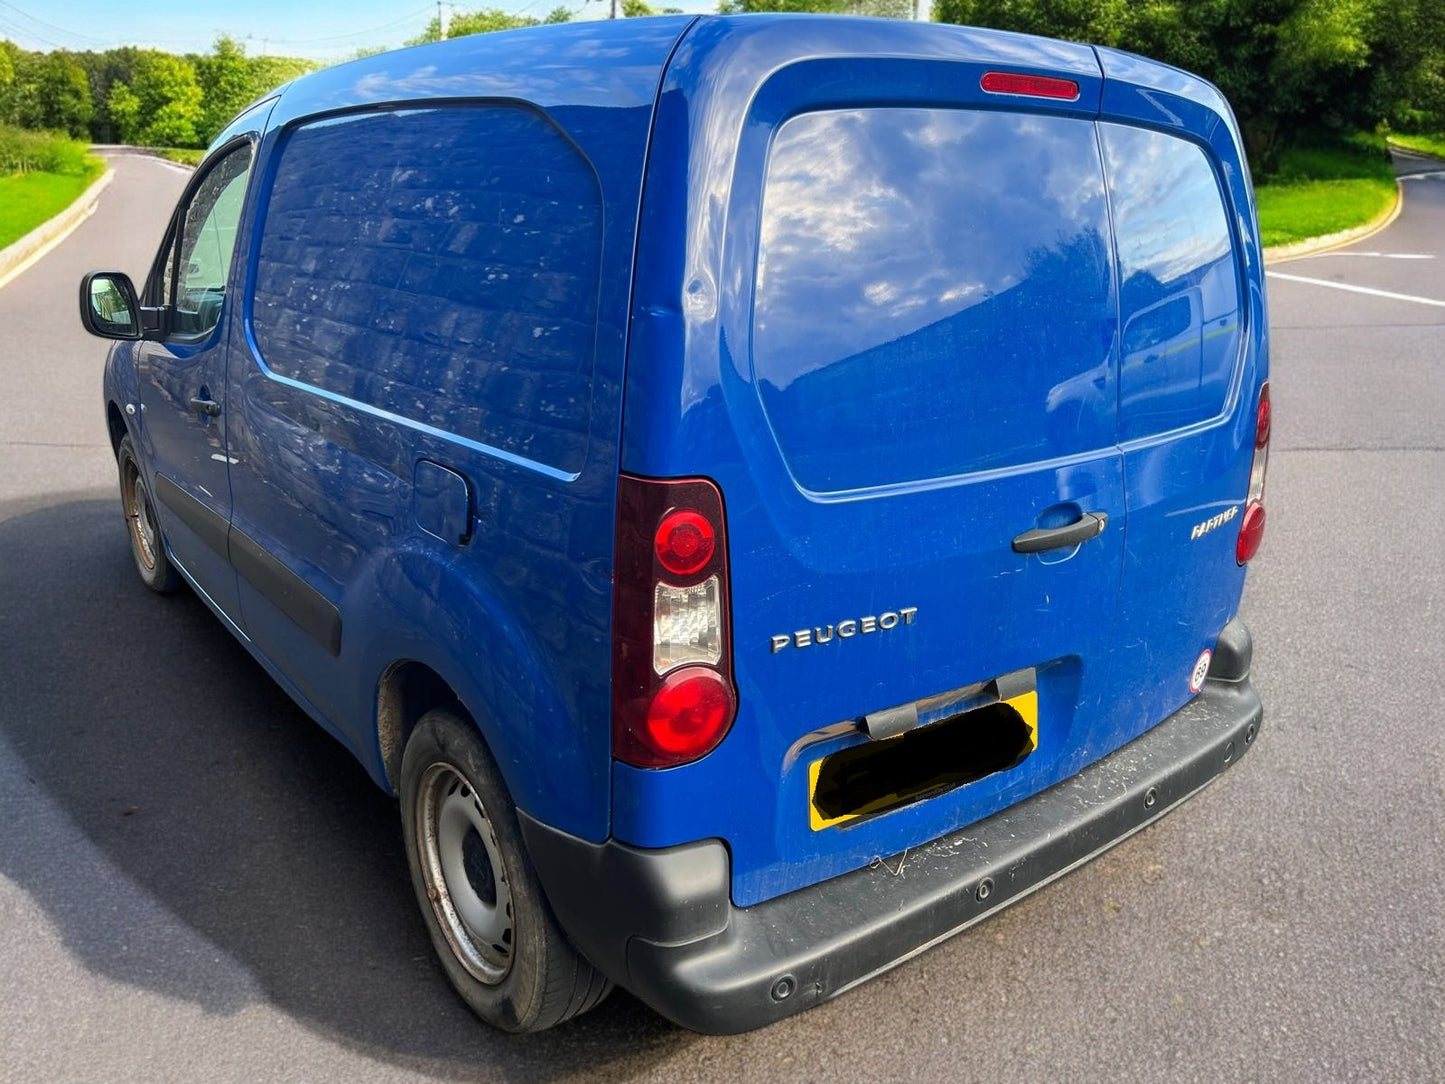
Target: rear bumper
(660,923)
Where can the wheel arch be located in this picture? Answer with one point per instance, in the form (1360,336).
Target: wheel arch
(115,424)
(407,690)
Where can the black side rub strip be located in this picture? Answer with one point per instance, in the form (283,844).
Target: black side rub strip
(210,527)
(312,612)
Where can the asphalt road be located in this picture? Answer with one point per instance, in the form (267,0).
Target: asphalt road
(197,884)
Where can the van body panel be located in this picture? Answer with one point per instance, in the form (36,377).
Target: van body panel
(327,435)
(848,493)
(186,448)
(881,519)
(1186,470)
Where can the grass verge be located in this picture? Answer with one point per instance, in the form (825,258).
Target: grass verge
(1324,188)
(1425,144)
(184,155)
(28,199)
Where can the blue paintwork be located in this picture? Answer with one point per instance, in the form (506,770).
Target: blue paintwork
(1177,592)
(174,439)
(830,520)
(882,415)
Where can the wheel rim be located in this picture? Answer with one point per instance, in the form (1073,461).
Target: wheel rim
(466,878)
(138,514)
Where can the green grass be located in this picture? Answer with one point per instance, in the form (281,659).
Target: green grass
(1425,144)
(184,155)
(28,199)
(1325,187)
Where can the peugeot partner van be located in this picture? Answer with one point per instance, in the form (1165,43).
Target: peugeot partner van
(765,492)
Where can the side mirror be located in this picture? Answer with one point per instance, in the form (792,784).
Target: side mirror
(108,306)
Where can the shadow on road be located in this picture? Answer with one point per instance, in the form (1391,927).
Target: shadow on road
(237,818)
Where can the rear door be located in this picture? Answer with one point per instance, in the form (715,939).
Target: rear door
(914,349)
(1192,360)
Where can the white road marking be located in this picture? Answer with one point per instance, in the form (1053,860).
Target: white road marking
(1357,289)
(1375,255)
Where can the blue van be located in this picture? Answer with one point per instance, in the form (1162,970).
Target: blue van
(765,492)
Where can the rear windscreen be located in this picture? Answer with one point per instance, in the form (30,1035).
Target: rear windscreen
(933,294)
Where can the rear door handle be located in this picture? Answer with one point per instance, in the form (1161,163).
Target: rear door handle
(206,407)
(1089,525)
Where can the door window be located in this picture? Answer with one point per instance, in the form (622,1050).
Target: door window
(194,282)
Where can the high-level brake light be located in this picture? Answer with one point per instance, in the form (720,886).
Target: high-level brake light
(1251,526)
(673,697)
(1030,86)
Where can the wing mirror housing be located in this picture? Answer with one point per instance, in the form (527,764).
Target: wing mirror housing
(109,308)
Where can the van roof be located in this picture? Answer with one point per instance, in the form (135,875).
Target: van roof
(619,62)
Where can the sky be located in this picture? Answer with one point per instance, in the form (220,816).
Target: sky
(322,31)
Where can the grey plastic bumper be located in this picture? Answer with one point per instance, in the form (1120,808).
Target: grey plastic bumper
(660,923)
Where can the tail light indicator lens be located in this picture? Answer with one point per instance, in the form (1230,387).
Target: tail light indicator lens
(673,695)
(1251,526)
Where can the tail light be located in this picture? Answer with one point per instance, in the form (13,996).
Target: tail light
(1251,527)
(673,697)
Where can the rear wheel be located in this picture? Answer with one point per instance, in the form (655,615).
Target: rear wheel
(146,544)
(488,919)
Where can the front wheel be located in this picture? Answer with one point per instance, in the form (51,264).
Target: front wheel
(488,919)
(146,544)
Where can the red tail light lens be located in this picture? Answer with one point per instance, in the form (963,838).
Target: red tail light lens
(1251,532)
(689,714)
(1251,527)
(1261,424)
(684,542)
(673,697)
(1032,86)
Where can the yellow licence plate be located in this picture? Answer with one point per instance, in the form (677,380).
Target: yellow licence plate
(884,774)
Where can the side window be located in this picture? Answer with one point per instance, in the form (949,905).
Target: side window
(194,285)
(442,265)
(1179,301)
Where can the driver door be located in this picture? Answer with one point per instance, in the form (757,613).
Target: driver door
(183,376)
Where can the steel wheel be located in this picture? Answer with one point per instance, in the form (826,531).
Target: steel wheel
(465,875)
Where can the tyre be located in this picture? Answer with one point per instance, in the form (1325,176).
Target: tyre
(488,919)
(146,543)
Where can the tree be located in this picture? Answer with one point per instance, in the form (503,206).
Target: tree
(1283,64)
(225,81)
(230,81)
(161,106)
(747,7)
(485,21)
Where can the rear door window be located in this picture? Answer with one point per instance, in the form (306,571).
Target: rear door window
(1179,285)
(933,294)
